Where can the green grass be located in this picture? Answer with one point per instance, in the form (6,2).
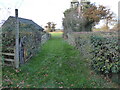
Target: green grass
(57,65)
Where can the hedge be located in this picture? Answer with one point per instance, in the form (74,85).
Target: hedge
(105,54)
(101,48)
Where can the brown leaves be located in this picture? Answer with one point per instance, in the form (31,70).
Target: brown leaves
(95,13)
(45,75)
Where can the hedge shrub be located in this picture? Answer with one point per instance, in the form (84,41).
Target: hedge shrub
(105,54)
(101,48)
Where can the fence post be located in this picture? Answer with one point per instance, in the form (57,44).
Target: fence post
(17,40)
(118,17)
(1,57)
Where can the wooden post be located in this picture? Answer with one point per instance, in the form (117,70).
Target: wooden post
(1,57)
(119,16)
(79,9)
(17,40)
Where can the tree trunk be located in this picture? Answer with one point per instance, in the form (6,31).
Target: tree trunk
(88,28)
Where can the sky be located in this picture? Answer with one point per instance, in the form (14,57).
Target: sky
(43,11)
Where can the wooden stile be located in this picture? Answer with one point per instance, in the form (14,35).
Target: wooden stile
(9,54)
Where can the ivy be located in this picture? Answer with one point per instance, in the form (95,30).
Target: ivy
(101,48)
(105,51)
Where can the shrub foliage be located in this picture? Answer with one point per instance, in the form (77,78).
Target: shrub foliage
(101,48)
(105,54)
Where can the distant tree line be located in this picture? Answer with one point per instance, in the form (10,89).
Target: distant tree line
(50,27)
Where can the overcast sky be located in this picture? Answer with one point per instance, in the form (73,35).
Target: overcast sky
(43,11)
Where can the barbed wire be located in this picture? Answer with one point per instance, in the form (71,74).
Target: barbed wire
(19,3)
(6,10)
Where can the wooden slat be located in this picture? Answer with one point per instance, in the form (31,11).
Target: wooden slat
(10,48)
(12,60)
(28,58)
(10,54)
(8,64)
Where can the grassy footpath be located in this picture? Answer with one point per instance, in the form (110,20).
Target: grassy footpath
(58,65)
